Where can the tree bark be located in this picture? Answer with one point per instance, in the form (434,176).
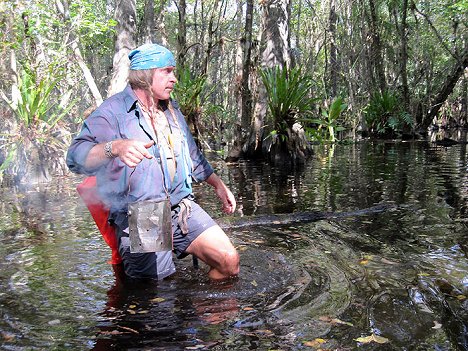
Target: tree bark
(237,141)
(62,8)
(125,15)
(376,48)
(161,34)
(447,88)
(147,26)
(404,55)
(182,34)
(333,50)
(212,28)
(246,93)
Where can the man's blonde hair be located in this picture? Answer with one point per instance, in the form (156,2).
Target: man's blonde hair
(141,79)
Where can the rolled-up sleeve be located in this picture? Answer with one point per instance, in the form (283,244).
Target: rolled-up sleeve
(96,129)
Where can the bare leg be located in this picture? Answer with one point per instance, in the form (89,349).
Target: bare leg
(215,249)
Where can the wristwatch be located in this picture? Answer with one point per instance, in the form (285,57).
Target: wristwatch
(108,150)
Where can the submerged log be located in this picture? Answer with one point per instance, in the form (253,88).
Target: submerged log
(297,217)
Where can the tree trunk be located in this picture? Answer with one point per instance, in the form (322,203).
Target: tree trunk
(275,43)
(182,34)
(125,15)
(161,34)
(147,26)
(333,50)
(376,48)
(62,8)
(211,31)
(246,93)
(447,88)
(404,55)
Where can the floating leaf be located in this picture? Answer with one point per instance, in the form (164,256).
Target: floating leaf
(157,300)
(315,343)
(363,261)
(254,283)
(8,336)
(325,319)
(384,260)
(257,241)
(461,297)
(372,338)
(339,321)
(248,308)
(328,319)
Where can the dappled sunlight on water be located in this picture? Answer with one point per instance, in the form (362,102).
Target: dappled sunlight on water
(392,279)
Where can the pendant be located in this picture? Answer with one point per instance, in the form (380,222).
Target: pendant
(170,140)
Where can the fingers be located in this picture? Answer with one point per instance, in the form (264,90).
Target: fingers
(148,145)
(229,203)
(132,152)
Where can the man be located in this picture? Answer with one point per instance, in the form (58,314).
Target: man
(139,146)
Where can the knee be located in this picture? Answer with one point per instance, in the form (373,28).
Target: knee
(231,264)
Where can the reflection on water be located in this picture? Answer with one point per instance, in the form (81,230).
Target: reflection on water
(400,274)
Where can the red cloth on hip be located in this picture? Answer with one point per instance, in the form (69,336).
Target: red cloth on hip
(100,213)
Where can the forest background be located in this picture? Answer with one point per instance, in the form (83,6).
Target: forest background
(260,79)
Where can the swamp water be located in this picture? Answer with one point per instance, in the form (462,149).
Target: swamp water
(391,277)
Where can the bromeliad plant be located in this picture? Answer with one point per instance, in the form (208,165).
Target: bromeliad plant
(35,140)
(328,125)
(288,96)
(384,115)
(190,93)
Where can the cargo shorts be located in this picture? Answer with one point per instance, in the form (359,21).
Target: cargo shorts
(159,265)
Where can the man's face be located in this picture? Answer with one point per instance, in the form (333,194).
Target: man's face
(163,82)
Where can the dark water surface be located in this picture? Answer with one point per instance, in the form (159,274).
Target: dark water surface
(389,279)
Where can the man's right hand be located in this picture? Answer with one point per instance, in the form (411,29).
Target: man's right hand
(131,151)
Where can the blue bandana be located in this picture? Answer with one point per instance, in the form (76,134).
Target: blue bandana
(150,56)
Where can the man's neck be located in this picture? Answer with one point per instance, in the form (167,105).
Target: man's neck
(143,97)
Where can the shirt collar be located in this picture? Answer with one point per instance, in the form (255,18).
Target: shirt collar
(130,98)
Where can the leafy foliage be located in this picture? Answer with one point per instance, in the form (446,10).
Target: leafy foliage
(189,92)
(384,114)
(328,125)
(192,92)
(288,95)
(37,114)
